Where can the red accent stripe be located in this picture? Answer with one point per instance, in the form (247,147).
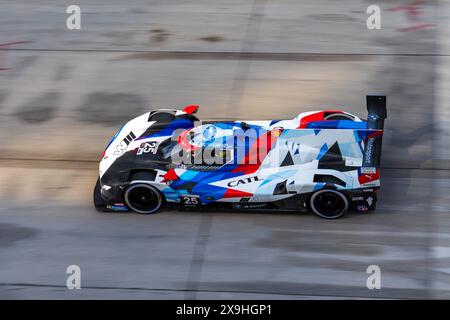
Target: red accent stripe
(318,116)
(375,134)
(170,176)
(231,193)
(191,109)
(257,153)
(247,168)
(310,118)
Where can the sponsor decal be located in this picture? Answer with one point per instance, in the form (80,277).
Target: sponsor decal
(122,146)
(368,152)
(362,208)
(368,170)
(146,147)
(118,207)
(250,206)
(357,198)
(368,179)
(236,183)
(371,184)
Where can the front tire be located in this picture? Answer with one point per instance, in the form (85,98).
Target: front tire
(143,198)
(329,204)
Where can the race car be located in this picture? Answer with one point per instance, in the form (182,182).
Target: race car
(327,162)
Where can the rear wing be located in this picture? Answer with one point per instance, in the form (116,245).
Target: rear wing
(377,112)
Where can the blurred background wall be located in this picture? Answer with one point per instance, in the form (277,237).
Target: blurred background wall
(64,93)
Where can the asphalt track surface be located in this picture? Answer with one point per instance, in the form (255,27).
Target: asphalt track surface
(46,218)
(180,254)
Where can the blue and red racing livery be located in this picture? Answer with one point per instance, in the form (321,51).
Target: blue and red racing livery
(324,161)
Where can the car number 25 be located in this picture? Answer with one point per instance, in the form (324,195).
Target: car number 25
(190,200)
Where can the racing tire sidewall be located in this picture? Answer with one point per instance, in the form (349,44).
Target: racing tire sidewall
(156,192)
(322,215)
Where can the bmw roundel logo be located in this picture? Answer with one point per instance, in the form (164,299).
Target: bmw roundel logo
(209,132)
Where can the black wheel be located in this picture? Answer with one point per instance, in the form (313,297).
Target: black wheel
(329,204)
(143,198)
(99,203)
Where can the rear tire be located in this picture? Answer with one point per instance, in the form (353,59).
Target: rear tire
(329,204)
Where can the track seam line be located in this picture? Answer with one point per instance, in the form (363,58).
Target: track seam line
(189,290)
(198,257)
(235,53)
(246,56)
